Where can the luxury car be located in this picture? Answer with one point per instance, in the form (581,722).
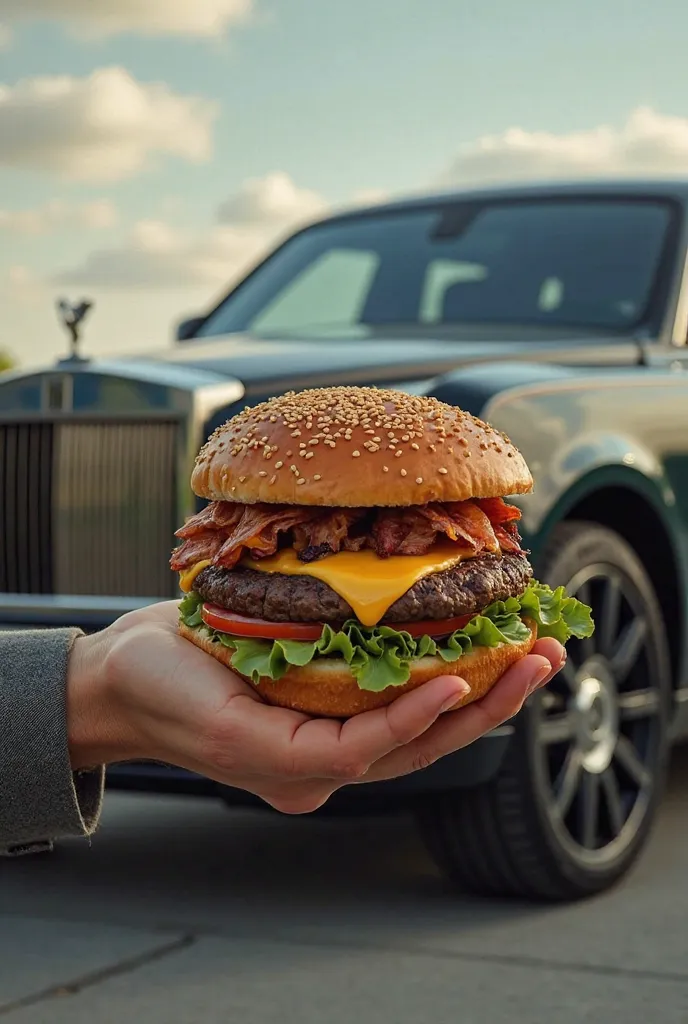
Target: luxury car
(557,313)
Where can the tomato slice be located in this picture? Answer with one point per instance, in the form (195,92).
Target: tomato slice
(242,625)
(433,627)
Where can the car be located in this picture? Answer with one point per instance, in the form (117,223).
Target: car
(559,313)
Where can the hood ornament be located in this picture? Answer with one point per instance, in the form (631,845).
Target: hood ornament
(72,317)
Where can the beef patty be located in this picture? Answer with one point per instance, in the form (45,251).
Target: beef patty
(462,590)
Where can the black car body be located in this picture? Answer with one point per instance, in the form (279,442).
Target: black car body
(560,315)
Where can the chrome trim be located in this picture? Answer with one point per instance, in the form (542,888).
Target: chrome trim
(31,610)
(191,397)
(679,331)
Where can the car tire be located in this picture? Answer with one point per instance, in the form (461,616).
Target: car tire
(573,803)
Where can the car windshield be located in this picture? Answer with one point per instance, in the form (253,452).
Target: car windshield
(582,263)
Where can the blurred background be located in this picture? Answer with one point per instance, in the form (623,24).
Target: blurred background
(150,151)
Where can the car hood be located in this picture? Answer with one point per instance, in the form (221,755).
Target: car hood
(259,362)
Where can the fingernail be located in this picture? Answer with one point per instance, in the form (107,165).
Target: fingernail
(456,695)
(539,679)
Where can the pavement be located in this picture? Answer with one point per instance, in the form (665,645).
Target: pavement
(184,912)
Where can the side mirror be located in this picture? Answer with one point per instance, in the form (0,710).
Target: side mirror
(186,329)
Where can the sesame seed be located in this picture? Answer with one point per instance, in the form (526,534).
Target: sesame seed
(398,454)
(293,469)
(301,480)
(403,472)
(317,477)
(262,473)
(296,433)
(302,444)
(242,479)
(442,470)
(415,447)
(289,453)
(314,440)
(466,455)
(309,455)
(278,465)
(385,469)
(404,437)
(419,479)
(355,453)
(273,478)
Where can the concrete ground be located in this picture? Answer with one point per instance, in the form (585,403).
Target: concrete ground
(183,912)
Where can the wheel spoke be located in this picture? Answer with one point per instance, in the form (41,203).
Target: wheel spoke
(589,812)
(628,647)
(557,728)
(615,806)
(608,619)
(628,757)
(568,782)
(638,704)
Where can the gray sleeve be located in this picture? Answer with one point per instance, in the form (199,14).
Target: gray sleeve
(41,798)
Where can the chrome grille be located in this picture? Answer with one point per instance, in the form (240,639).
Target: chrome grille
(91,511)
(26,459)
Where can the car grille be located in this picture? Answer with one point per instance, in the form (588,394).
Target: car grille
(87,508)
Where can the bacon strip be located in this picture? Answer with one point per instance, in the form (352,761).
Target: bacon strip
(402,532)
(220,515)
(327,533)
(258,530)
(205,544)
(224,530)
(498,511)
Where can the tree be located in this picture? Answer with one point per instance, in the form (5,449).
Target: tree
(6,361)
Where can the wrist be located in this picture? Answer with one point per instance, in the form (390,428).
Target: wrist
(95,730)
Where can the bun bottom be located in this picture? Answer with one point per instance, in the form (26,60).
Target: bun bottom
(326,687)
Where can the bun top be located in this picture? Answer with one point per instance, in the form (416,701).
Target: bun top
(350,446)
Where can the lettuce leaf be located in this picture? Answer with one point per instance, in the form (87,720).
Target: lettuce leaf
(380,656)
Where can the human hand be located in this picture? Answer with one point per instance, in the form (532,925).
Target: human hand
(139,691)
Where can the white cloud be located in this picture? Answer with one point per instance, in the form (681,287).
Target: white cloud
(648,143)
(41,220)
(273,200)
(105,127)
(157,256)
(145,17)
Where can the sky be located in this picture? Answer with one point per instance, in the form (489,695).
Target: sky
(151,150)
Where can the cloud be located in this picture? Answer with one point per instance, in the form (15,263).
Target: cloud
(273,200)
(144,17)
(42,220)
(105,127)
(648,143)
(155,255)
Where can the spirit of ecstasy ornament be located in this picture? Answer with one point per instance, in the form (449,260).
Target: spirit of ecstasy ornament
(72,317)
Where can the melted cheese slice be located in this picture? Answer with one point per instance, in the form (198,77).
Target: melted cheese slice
(368,583)
(186,579)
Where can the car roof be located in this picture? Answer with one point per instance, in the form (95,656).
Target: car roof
(658,188)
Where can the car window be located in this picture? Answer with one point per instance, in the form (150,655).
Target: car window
(440,275)
(331,290)
(564,262)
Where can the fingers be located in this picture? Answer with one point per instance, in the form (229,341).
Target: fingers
(553,651)
(267,740)
(457,729)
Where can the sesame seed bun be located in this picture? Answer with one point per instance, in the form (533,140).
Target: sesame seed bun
(357,447)
(326,687)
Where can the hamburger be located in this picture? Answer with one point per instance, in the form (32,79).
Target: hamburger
(356,543)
